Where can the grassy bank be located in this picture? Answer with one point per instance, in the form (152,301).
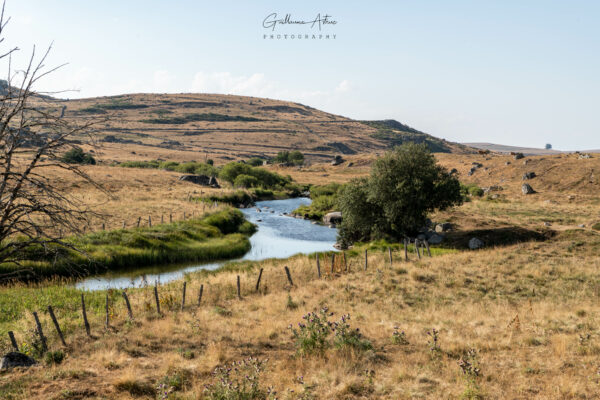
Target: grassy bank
(217,236)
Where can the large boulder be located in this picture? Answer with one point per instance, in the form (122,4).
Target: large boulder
(527,189)
(518,156)
(15,359)
(528,175)
(435,239)
(475,243)
(334,217)
(337,160)
(200,180)
(443,227)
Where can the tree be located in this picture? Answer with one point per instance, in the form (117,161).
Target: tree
(548,146)
(289,157)
(403,187)
(34,137)
(77,156)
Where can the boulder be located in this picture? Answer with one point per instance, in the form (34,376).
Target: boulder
(435,239)
(493,188)
(443,227)
(475,243)
(527,189)
(584,156)
(518,156)
(528,175)
(337,160)
(202,180)
(15,359)
(334,217)
(472,171)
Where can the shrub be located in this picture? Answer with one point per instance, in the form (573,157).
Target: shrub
(471,189)
(346,337)
(77,156)
(266,179)
(399,337)
(596,226)
(403,187)
(289,157)
(54,357)
(238,381)
(311,337)
(245,181)
(255,162)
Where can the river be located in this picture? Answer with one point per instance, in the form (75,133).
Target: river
(278,236)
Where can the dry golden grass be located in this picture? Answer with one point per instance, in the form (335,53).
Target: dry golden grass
(473,298)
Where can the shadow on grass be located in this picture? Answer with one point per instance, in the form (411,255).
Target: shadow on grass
(496,236)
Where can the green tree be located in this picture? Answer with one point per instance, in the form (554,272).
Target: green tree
(77,156)
(295,157)
(403,187)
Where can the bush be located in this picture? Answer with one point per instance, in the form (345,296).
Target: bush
(470,189)
(403,187)
(255,162)
(289,157)
(346,337)
(266,179)
(245,181)
(311,337)
(77,156)
(596,226)
(238,381)
(54,357)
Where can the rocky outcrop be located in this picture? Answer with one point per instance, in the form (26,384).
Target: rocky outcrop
(443,227)
(15,359)
(527,189)
(333,217)
(201,180)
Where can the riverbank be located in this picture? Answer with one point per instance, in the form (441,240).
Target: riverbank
(223,234)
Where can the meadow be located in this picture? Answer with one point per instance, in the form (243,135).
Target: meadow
(518,319)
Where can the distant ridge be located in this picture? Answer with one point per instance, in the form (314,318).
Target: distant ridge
(532,151)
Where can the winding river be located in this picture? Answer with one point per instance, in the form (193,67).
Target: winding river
(278,236)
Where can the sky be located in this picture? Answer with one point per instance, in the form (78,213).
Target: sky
(521,73)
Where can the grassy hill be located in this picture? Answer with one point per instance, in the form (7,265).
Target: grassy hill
(184,127)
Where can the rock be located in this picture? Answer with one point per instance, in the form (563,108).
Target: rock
(337,160)
(305,194)
(334,217)
(581,226)
(518,156)
(472,171)
(333,226)
(200,180)
(477,165)
(453,171)
(421,236)
(314,222)
(443,227)
(493,188)
(15,359)
(435,239)
(350,164)
(528,175)
(527,189)
(546,223)
(507,163)
(570,197)
(475,243)
(584,156)
(525,162)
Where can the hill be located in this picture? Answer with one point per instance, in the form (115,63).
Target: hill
(224,127)
(502,148)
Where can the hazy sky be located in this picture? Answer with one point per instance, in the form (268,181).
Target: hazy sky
(511,72)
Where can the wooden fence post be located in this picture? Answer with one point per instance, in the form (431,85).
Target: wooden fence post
(366,260)
(149,221)
(417,248)
(106,311)
(123,224)
(162,218)
(289,276)
(332,262)
(239,291)
(170,218)
(129,312)
(183,296)
(156,297)
(390,254)
(184,215)
(427,246)
(55,321)
(318,266)
(258,280)
(345,262)
(200,293)
(85,320)
(405,249)
(139,220)
(13,341)
(40,332)
(103,226)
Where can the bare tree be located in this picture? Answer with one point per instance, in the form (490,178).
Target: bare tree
(34,135)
